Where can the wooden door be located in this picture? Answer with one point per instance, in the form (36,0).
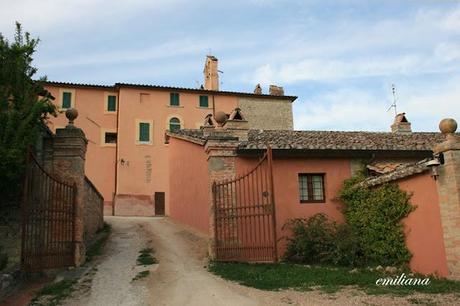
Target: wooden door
(159,203)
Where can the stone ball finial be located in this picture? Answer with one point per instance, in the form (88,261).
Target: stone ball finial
(448,126)
(71,114)
(220,117)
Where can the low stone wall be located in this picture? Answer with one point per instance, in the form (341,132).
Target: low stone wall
(93,210)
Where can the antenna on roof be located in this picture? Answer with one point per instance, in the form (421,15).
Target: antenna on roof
(393,90)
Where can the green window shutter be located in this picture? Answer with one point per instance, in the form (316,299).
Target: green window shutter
(144,132)
(174,99)
(204,101)
(111,103)
(66,100)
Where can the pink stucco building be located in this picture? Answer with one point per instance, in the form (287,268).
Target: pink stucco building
(127,158)
(308,169)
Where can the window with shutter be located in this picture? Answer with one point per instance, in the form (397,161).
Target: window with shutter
(204,101)
(144,132)
(174,99)
(66,99)
(111,103)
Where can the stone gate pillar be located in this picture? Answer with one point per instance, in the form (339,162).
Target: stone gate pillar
(69,149)
(448,184)
(222,142)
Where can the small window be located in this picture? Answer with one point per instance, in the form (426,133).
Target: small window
(110,137)
(204,101)
(111,103)
(174,124)
(174,99)
(144,132)
(66,99)
(311,188)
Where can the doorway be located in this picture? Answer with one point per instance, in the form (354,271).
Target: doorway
(159,203)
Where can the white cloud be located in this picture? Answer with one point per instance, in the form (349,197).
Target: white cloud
(364,109)
(48,14)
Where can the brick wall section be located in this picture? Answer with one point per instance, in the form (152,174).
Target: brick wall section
(93,211)
(221,152)
(68,164)
(449,202)
(264,114)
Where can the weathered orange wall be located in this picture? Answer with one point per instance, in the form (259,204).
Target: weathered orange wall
(424,235)
(100,160)
(189,184)
(132,177)
(288,206)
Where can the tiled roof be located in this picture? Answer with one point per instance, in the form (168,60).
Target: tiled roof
(333,140)
(171,88)
(330,140)
(397,174)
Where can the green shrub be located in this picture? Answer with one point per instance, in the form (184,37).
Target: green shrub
(318,240)
(375,215)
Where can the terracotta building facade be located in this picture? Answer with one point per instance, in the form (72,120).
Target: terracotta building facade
(308,169)
(127,157)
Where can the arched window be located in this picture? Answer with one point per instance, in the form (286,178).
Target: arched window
(174,124)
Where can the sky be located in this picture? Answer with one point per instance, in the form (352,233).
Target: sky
(339,57)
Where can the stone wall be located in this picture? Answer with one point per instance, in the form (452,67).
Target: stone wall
(265,114)
(93,212)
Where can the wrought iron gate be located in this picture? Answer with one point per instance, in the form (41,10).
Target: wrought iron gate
(244,215)
(48,220)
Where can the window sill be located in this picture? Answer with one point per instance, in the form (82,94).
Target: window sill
(109,145)
(202,107)
(138,143)
(313,202)
(175,106)
(110,112)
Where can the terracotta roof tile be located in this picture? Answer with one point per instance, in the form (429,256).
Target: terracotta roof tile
(332,140)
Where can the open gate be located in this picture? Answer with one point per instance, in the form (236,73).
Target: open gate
(244,215)
(48,217)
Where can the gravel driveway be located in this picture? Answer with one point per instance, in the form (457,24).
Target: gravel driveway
(181,277)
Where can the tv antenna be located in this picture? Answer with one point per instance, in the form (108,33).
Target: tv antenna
(393,91)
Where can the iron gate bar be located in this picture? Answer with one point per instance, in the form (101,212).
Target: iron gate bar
(48,219)
(244,215)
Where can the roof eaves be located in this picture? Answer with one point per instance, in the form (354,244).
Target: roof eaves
(204,91)
(195,140)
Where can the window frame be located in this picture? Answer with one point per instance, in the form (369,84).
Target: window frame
(138,132)
(61,98)
(172,96)
(107,99)
(309,177)
(108,144)
(179,123)
(207,101)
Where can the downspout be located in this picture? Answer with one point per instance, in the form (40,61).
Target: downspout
(213,107)
(116,153)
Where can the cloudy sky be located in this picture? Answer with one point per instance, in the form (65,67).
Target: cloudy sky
(339,57)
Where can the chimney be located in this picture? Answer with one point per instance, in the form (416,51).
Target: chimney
(258,90)
(276,90)
(237,125)
(211,75)
(401,124)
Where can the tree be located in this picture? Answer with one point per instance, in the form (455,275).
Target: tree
(24,108)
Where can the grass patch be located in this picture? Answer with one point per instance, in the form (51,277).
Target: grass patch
(53,294)
(327,279)
(141,275)
(146,257)
(96,248)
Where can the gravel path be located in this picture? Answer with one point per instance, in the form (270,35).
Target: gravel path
(181,277)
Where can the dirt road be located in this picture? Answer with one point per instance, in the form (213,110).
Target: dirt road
(181,277)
